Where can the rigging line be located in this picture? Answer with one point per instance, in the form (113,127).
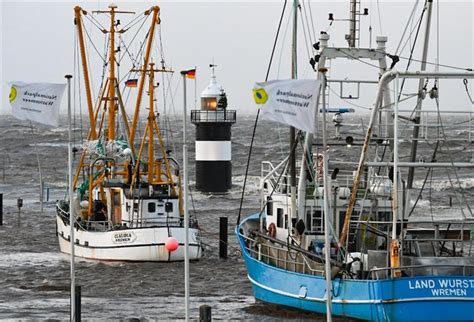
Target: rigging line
(133,60)
(304,33)
(91,17)
(465,82)
(407,25)
(418,198)
(311,39)
(430,196)
(162,51)
(104,66)
(173,106)
(258,113)
(437,64)
(417,23)
(283,41)
(136,34)
(380,17)
(94,22)
(78,82)
(312,22)
(437,36)
(132,23)
(451,159)
(93,45)
(412,50)
(141,51)
(350,103)
(91,79)
(358,59)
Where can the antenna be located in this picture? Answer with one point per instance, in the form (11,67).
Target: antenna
(213,66)
(354,22)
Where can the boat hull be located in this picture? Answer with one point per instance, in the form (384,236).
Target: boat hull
(139,244)
(401,299)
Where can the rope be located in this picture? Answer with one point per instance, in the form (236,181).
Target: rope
(312,22)
(452,162)
(406,27)
(95,22)
(380,17)
(412,50)
(135,35)
(258,113)
(95,48)
(304,33)
(465,82)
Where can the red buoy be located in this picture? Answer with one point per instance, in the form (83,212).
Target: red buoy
(171,244)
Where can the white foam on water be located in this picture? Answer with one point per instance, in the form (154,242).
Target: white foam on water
(28,259)
(445,184)
(50,144)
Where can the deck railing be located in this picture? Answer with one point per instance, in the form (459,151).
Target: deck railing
(411,270)
(298,262)
(282,258)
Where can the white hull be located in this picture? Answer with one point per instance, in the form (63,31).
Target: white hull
(136,244)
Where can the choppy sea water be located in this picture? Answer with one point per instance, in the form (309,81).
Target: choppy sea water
(34,275)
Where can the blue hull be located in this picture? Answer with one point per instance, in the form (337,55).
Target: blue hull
(402,299)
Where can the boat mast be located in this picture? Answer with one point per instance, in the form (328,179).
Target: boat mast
(294,75)
(416,128)
(78,21)
(155,20)
(353,23)
(112,97)
(151,118)
(154,172)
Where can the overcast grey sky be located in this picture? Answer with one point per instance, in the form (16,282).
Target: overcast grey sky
(37,42)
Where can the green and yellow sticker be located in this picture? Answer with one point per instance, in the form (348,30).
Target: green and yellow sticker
(260,95)
(12,94)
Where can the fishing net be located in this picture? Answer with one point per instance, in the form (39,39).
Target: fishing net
(116,149)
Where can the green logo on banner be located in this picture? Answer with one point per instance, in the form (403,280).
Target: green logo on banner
(260,96)
(12,94)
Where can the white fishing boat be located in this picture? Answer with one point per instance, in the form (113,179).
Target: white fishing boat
(128,198)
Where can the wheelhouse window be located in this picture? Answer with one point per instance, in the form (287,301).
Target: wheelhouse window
(269,206)
(314,221)
(151,207)
(280,217)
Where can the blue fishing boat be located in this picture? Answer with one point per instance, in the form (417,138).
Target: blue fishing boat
(356,238)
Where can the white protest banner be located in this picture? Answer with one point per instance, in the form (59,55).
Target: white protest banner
(291,102)
(37,102)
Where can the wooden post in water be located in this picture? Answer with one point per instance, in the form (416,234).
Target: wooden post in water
(77,304)
(19,204)
(205,311)
(223,237)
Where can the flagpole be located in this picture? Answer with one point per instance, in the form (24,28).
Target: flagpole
(70,188)
(186,215)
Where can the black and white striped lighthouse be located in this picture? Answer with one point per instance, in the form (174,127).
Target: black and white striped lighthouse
(213,139)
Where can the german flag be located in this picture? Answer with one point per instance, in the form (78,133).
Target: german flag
(131,83)
(191,73)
